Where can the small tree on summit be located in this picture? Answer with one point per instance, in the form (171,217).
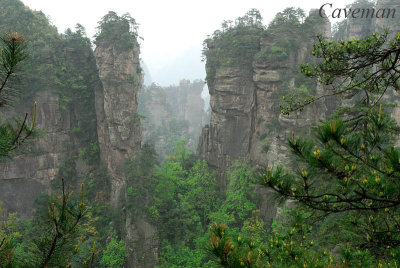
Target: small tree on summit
(120,30)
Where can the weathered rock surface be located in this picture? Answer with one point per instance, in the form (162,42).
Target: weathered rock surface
(37,163)
(118,125)
(119,135)
(245,119)
(29,173)
(246,123)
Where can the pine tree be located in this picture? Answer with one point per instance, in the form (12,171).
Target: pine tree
(347,179)
(56,233)
(12,134)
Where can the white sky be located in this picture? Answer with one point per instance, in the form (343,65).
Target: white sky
(168,27)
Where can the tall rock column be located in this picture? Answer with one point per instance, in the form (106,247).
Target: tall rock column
(246,123)
(246,89)
(118,125)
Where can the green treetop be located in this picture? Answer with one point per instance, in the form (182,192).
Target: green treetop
(346,181)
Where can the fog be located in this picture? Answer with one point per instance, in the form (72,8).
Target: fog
(172,31)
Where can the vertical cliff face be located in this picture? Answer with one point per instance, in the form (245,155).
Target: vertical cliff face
(29,173)
(172,113)
(233,103)
(118,128)
(389,22)
(116,104)
(55,75)
(245,121)
(86,117)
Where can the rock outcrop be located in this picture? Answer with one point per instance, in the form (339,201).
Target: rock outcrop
(30,172)
(118,124)
(119,129)
(246,123)
(245,120)
(86,119)
(57,76)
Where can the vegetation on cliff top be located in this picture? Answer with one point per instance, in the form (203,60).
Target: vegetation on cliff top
(346,185)
(122,31)
(346,182)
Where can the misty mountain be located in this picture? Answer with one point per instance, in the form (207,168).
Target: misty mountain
(187,65)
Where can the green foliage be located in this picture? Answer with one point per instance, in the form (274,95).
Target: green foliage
(52,238)
(353,61)
(235,44)
(77,81)
(290,16)
(357,177)
(140,173)
(265,147)
(183,199)
(240,199)
(58,63)
(345,180)
(271,54)
(13,52)
(262,136)
(121,31)
(178,196)
(114,254)
(12,134)
(182,256)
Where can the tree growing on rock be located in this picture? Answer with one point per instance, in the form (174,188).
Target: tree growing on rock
(347,181)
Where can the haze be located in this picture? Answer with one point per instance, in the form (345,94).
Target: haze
(173,31)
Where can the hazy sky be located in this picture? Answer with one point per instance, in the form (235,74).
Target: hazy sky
(169,27)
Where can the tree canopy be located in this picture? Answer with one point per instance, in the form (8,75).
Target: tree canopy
(346,181)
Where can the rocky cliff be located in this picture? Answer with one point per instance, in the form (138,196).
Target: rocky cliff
(118,124)
(246,88)
(87,119)
(352,28)
(245,118)
(60,74)
(245,121)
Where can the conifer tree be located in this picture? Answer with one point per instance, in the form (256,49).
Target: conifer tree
(12,134)
(58,230)
(347,181)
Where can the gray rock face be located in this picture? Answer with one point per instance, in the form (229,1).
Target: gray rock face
(245,119)
(119,135)
(379,24)
(118,125)
(30,172)
(232,100)
(246,123)
(144,243)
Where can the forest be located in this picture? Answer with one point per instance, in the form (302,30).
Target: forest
(293,161)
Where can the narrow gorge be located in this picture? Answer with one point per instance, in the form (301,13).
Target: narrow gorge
(158,167)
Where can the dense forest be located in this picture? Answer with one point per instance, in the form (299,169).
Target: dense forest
(295,163)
